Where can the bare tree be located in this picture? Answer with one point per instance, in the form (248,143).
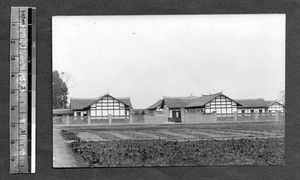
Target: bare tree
(67,78)
(281,98)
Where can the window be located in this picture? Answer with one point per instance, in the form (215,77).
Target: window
(122,112)
(243,111)
(78,113)
(98,112)
(93,113)
(252,111)
(110,112)
(116,112)
(223,111)
(260,111)
(104,113)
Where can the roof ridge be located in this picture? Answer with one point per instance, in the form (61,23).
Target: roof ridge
(211,94)
(82,98)
(182,97)
(122,97)
(252,99)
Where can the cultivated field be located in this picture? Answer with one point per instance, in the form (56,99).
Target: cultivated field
(179,144)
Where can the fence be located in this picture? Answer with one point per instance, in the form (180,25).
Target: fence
(137,118)
(85,120)
(249,117)
(158,117)
(78,120)
(59,120)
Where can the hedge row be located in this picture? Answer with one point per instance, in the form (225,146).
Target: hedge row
(68,135)
(124,153)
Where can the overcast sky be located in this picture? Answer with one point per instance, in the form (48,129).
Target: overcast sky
(147,57)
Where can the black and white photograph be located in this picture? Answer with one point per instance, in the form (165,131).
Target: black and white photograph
(168,90)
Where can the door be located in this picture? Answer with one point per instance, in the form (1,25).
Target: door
(176,116)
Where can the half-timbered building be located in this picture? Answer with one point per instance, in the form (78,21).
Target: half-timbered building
(274,106)
(214,103)
(249,106)
(104,107)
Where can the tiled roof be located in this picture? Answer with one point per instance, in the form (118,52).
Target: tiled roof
(81,103)
(62,111)
(155,105)
(125,101)
(203,100)
(138,111)
(178,102)
(269,103)
(186,102)
(252,103)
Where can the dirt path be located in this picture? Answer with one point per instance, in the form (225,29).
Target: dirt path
(153,136)
(184,136)
(211,135)
(257,133)
(119,135)
(62,154)
(88,136)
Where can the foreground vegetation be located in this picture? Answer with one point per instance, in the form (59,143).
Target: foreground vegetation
(124,153)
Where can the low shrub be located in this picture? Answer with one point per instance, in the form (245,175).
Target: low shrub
(69,135)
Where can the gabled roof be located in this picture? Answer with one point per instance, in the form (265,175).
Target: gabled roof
(155,105)
(126,101)
(203,100)
(252,103)
(178,102)
(62,111)
(270,103)
(173,102)
(81,103)
(186,102)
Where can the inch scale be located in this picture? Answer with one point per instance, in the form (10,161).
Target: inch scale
(22,89)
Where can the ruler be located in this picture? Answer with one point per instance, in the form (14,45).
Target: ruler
(22,89)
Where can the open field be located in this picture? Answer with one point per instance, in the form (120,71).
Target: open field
(179,144)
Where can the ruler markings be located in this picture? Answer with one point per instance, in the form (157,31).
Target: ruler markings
(22,134)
